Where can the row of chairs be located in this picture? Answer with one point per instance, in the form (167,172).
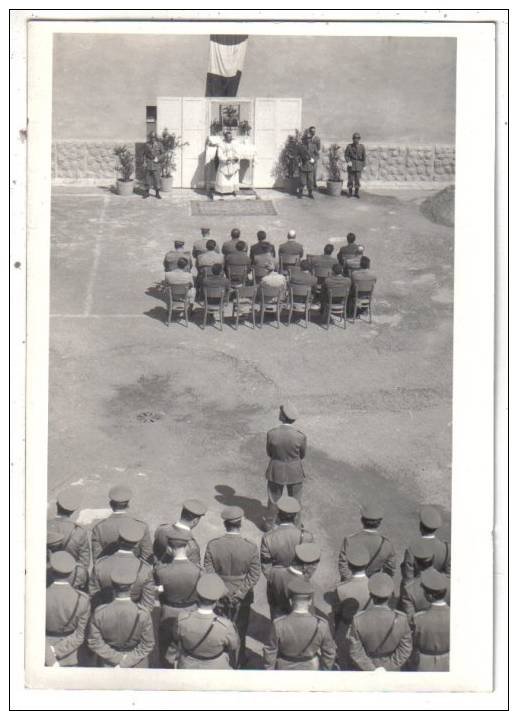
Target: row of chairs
(247,300)
(239,274)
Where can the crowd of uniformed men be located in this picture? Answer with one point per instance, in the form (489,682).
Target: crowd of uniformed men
(114,593)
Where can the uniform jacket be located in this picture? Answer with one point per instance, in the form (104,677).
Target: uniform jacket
(172,257)
(75,539)
(261,261)
(121,634)
(160,546)
(178,277)
(441,559)
(286,447)
(313,145)
(178,579)
(381,550)
(208,258)
(105,537)
(304,159)
(229,246)
(142,591)
(299,641)
(291,246)
(200,247)
(379,637)
(237,259)
(236,560)
(355,155)
(254,249)
(432,638)
(412,598)
(278,546)
(67,614)
(153,155)
(205,641)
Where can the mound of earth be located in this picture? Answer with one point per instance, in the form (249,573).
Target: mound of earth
(440,207)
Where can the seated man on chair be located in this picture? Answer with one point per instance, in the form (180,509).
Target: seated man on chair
(291,247)
(238,257)
(303,276)
(172,257)
(326,259)
(273,278)
(215,278)
(351,249)
(361,276)
(256,248)
(180,275)
(336,281)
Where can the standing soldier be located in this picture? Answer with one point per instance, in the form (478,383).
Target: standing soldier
(312,143)
(355,158)
(105,534)
(67,613)
(412,597)
(278,545)
(286,447)
(432,627)
(142,591)
(307,557)
(176,581)
(380,637)
(300,640)
(306,167)
(121,633)
(153,156)
(381,550)
(430,520)
(190,516)
(78,578)
(75,539)
(206,640)
(236,560)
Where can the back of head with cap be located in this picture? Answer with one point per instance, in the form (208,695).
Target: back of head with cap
(120,496)
(232,517)
(123,575)
(67,501)
(192,511)
(423,551)
(371,514)
(434,583)
(430,518)
(357,555)
(381,587)
(307,553)
(210,588)
(289,412)
(131,532)
(62,564)
(54,539)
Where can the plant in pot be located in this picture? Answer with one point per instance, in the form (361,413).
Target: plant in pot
(287,166)
(125,167)
(216,127)
(334,164)
(244,129)
(170,144)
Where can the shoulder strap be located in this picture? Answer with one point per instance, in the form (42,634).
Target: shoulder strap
(137,619)
(378,551)
(306,647)
(67,539)
(385,638)
(202,639)
(73,611)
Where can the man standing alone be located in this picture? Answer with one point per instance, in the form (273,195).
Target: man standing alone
(153,156)
(355,158)
(312,143)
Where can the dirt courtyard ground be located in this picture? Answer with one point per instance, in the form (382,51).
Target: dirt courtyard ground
(182,412)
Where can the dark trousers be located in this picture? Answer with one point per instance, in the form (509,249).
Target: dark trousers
(353,178)
(239,614)
(152,179)
(306,181)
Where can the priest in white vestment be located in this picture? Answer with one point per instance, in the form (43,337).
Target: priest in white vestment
(227,176)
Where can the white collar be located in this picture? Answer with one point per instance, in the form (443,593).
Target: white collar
(124,552)
(429,535)
(370,530)
(60,582)
(122,598)
(359,575)
(439,603)
(286,523)
(180,558)
(233,533)
(205,612)
(301,612)
(288,424)
(66,518)
(182,525)
(120,512)
(294,570)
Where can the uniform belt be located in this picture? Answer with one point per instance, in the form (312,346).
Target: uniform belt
(123,647)
(434,654)
(203,659)
(180,603)
(297,659)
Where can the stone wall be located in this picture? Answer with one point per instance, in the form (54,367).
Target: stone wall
(93,161)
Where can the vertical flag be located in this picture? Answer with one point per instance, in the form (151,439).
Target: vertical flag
(226,60)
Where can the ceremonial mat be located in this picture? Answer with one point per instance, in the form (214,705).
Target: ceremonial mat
(239,208)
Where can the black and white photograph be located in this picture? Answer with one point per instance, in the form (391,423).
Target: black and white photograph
(252,264)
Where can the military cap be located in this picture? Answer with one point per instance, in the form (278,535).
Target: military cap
(177,534)
(211,587)
(357,555)
(68,500)
(62,562)
(179,242)
(195,507)
(430,517)
(301,586)
(54,537)
(381,585)
(123,573)
(422,549)
(288,504)
(120,493)
(289,410)
(232,513)
(356,135)
(372,511)
(433,580)
(307,552)
(131,530)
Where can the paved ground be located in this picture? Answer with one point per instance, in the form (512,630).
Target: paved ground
(375,400)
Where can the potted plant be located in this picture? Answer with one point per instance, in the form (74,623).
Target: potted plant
(244,129)
(215,127)
(170,144)
(125,167)
(333,164)
(287,167)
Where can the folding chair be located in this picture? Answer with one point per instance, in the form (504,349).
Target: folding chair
(244,303)
(237,274)
(299,300)
(288,262)
(213,302)
(362,297)
(336,304)
(178,301)
(271,302)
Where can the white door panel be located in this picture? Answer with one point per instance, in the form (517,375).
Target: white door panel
(275,120)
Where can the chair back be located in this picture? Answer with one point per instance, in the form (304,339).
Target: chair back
(322,272)
(270,293)
(246,293)
(214,293)
(288,260)
(179,292)
(302,291)
(237,273)
(363,289)
(338,294)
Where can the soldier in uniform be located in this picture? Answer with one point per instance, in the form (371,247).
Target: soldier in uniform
(121,633)
(312,143)
(142,591)
(67,614)
(190,516)
(306,166)
(300,640)
(278,544)
(307,557)
(200,246)
(153,157)
(105,534)
(381,550)
(430,520)
(78,578)
(286,447)
(176,581)
(75,537)
(432,626)
(380,638)
(172,257)
(412,596)
(236,560)
(355,158)
(206,640)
